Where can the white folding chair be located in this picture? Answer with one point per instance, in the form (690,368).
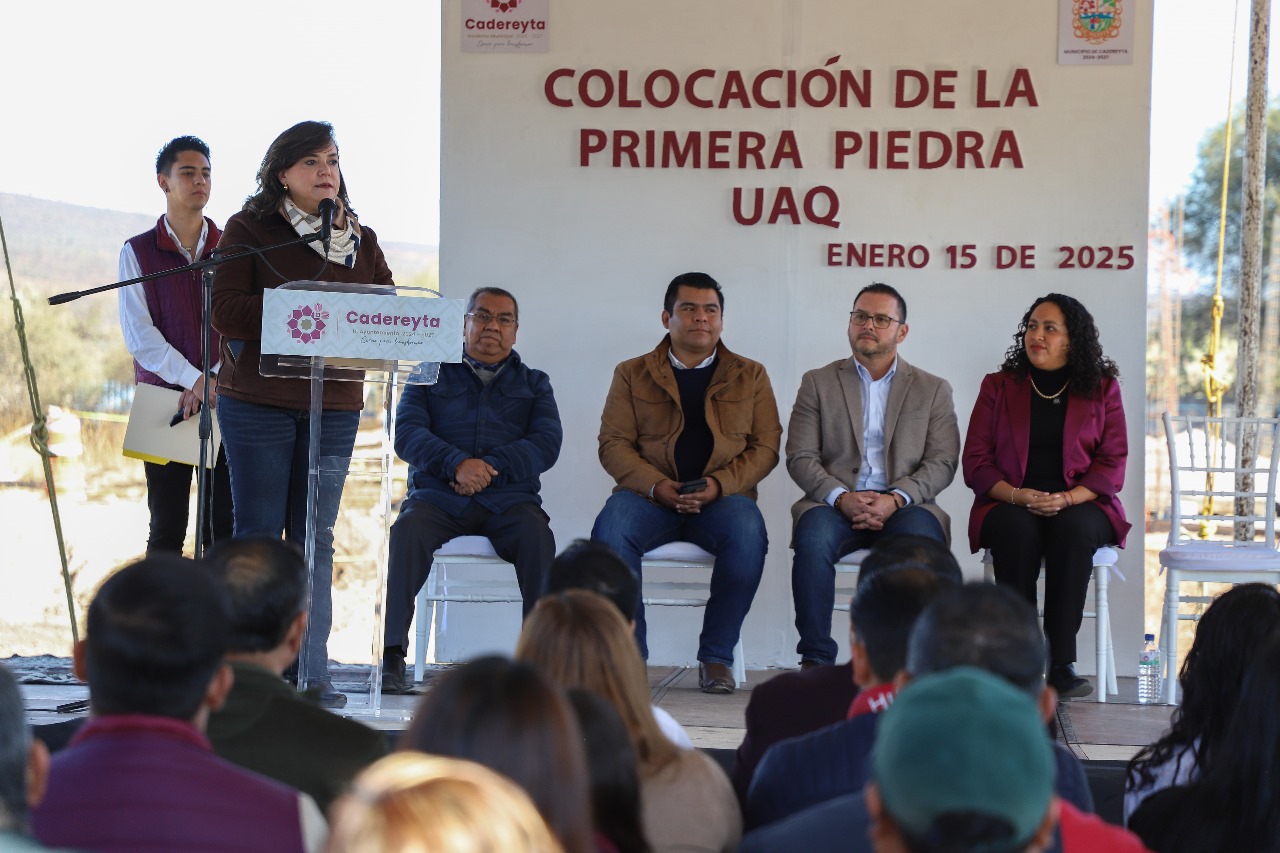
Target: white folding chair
(1220,502)
(441,586)
(849,564)
(1104,563)
(686,557)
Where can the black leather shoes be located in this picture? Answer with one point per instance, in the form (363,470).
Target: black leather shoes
(328,695)
(1063,678)
(715,678)
(394,681)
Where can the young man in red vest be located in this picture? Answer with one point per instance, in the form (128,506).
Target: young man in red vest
(161,323)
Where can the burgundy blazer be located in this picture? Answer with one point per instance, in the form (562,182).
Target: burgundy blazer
(1095,446)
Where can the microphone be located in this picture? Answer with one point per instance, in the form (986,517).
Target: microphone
(327,206)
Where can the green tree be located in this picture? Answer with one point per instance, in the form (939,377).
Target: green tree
(1203,201)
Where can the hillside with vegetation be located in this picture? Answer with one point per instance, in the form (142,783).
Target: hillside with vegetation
(79,355)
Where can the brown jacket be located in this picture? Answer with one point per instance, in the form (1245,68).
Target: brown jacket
(642,419)
(237,308)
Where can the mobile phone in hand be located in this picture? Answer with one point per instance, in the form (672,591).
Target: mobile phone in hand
(692,486)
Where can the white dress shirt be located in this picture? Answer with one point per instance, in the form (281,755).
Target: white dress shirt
(875,397)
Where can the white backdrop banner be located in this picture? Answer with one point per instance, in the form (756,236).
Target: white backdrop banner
(798,150)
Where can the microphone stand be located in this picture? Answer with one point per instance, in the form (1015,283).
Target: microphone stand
(208,266)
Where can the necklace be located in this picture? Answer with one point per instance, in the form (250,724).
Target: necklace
(1053,397)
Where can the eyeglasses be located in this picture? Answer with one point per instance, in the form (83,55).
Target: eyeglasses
(880,321)
(484,318)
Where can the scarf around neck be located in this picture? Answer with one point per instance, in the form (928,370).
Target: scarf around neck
(344,243)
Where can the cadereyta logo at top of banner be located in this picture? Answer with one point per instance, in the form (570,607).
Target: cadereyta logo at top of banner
(1096,21)
(504,5)
(307,322)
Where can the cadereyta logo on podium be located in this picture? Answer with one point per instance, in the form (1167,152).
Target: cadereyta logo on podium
(504,5)
(307,322)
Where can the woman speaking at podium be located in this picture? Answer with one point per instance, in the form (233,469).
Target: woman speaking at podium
(265,420)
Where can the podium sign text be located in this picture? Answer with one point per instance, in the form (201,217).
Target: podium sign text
(361,325)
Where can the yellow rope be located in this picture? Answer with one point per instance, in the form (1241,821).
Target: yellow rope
(1214,388)
(39,431)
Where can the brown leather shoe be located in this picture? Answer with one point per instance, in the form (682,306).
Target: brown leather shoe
(715,678)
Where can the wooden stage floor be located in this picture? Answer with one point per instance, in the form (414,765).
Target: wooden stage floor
(1094,731)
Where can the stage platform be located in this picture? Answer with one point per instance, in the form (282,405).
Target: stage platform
(1094,731)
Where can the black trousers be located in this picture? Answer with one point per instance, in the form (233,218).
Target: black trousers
(521,536)
(1019,540)
(169,496)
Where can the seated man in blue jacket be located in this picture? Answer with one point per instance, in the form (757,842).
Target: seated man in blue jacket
(476,442)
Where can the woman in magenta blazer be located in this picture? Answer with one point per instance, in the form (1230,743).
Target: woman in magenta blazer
(1045,457)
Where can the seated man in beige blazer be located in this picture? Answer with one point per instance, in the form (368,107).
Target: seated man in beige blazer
(872,441)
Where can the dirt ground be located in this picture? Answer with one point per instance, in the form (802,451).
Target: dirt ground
(105,525)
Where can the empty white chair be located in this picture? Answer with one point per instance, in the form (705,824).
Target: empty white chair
(1220,502)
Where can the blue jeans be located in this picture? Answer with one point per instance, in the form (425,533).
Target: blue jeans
(267,454)
(823,535)
(731,528)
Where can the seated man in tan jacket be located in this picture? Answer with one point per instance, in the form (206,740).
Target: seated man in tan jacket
(688,431)
(872,442)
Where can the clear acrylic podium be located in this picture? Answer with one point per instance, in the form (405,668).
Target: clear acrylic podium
(330,334)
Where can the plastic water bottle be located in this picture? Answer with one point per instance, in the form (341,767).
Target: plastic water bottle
(1150,673)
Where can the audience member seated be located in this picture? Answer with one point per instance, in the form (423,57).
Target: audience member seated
(415,802)
(1232,803)
(266,726)
(580,640)
(511,718)
(140,774)
(796,703)
(1229,633)
(24,768)
(615,779)
(961,763)
(993,628)
(810,769)
(596,567)
(981,625)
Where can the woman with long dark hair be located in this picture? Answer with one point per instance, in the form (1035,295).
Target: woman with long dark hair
(265,420)
(1045,457)
(1233,804)
(615,780)
(1227,640)
(511,718)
